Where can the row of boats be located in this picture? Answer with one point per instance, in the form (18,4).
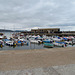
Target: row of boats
(48,41)
(54,41)
(9,42)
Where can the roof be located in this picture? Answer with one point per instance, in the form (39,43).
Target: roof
(45,28)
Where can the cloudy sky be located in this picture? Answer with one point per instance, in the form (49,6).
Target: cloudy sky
(28,14)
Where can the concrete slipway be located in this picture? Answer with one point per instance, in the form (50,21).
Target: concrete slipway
(54,70)
(56,61)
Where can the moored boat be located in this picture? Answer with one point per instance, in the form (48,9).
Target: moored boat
(36,41)
(19,43)
(48,45)
(59,44)
(46,41)
(10,43)
(73,41)
(1,43)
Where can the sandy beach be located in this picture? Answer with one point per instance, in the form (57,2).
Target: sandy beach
(25,59)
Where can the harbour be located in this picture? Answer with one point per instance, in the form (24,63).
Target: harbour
(37,37)
(34,44)
(36,54)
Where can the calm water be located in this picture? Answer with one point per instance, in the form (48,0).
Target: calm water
(8,34)
(25,47)
(30,46)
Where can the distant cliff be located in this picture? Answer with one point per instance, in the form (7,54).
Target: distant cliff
(4,30)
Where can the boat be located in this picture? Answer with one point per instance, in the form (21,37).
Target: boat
(1,43)
(5,40)
(25,43)
(69,42)
(36,41)
(1,36)
(10,43)
(19,43)
(59,44)
(48,45)
(73,41)
(56,39)
(46,41)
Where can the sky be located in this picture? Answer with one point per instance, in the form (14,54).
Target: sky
(31,14)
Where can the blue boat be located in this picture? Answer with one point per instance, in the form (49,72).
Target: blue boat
(47,41)
(60,42)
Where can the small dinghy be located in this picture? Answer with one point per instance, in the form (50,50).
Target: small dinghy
(19,43)
(1,43)
(10,43)
(59,44)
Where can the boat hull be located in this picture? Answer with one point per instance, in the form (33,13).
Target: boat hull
(48,45)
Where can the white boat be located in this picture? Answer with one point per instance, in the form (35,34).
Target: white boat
(36,41)
(1,43)
(1,36)
(10,43)
(73,41)
(68,42)
(58,44)
(56,39)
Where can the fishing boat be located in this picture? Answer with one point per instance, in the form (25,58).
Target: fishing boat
(48,45)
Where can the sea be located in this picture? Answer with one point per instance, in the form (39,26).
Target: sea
(24,47)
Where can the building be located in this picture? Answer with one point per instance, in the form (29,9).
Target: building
(68,33)
(49,32)
(45,30)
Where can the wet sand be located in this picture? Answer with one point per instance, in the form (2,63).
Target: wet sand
(28,59)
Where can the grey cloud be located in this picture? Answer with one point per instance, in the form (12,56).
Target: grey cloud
(37,13)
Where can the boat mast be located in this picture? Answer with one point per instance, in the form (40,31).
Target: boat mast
(4,29)
(14,28)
